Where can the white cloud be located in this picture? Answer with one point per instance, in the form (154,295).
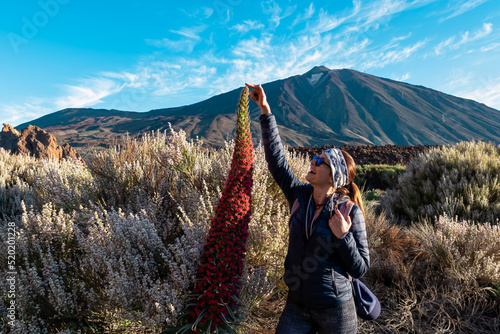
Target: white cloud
(401,38)
(247,25)
(474,86)
(487,29)
(390,57)
(192,76)
(191,32)
(179,46)
(276,13)
(132,79)
(269,57)
(356,48)
(207,12)
(381,12)
(20,113)
(203,12)
(443,45)
(89,93)
(461,7)
(363,20)
(465,38)
(153,77)
(488,94)
(326,22)
(253,47)
(490,47)
(309,12)
(383,9)
(404,77)
(190,37)
(459,78)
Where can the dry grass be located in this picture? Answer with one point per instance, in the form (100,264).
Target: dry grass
(265,316)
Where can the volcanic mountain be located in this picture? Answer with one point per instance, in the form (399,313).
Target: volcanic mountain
(320,107)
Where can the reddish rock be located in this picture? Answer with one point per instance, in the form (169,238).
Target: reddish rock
(35,142)
(9,137)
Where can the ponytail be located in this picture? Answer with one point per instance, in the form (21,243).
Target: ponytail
(355,196)
(351,190)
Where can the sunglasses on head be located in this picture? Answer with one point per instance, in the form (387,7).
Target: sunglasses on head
(319,161)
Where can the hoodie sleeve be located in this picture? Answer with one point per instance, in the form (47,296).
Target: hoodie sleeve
(275,157)
(353,246)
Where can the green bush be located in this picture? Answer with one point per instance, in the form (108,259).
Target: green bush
(461,180)
(378,176)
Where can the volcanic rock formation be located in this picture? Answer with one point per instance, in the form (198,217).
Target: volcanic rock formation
(35,142)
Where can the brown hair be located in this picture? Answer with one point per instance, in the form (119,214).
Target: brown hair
(351,190)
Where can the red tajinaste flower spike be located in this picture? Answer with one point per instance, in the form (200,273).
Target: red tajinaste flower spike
(214,301)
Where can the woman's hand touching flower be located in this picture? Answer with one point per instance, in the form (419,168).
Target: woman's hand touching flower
(258,95)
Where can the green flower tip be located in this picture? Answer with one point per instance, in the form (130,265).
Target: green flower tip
(244,93)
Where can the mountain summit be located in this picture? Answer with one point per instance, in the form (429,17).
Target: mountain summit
(320,107)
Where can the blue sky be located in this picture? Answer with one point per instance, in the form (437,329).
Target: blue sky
(143,55)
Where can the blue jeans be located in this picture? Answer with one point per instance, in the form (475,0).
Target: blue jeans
(297,319)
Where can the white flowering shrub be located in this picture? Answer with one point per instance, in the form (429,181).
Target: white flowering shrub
(103,267)
(66,184)
(461,180)
(128,263)
(15,183)
(154,174)
(48,280)
(127,175)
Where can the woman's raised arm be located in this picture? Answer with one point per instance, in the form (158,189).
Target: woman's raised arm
(273,147)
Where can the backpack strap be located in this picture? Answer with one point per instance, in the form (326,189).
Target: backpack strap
(295,208)
(345,208)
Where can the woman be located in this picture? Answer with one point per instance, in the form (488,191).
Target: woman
(324,248)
